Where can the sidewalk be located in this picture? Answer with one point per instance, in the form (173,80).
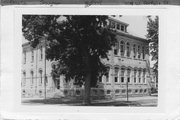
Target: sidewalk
(132,101)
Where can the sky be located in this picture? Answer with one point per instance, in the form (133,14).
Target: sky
(137,25)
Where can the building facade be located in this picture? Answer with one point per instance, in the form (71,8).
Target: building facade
(128,66)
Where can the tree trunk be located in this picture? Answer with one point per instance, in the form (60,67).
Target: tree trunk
(87,89)
(87,85)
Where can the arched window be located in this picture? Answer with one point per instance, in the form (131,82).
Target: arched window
(24,78)
(122,75)
(143,52)
(32,77)
(135,73)
(144,76)
(122,48)
(41,52)
(116,49)
(24,57)
(139,76)
(128,49)
(107,74)
(118,26)
(116,71)
(41,77)
(32,56)
(100,78)
(134,51)
(128,75)
(122,28)
(139,52)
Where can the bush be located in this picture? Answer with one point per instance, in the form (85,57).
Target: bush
(154,90)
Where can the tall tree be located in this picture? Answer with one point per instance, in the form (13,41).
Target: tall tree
(77,43)
(153,37)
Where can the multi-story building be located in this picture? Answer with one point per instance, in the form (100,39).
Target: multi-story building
(129,69)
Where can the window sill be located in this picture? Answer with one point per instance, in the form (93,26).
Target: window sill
(108,83)
(116,56)
(123,83)
(116,83)
(129,57)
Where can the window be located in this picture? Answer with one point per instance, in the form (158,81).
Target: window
(125,29)
(116,70)
(32,75)
(116,79)
(144,75)
(24,78)
(58,84)
(139,76)
(117,91)
(128,50)
(32,56)
(112,24)
(134,50)
(53,65)
(136,91)
(128,75)
(123,91)
(135,75)
(139,52)
(143,51)
(24,55)
(122,28)
(41,53)
(100,78)
(116,49)
(118,26)
(41,77)
(108,92)
(122,48)
(107,74)
(122,75)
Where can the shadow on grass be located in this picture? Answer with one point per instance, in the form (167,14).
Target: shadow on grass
(79,102)
(68,101)
(117,103)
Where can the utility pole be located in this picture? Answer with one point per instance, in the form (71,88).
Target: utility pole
(45,77)
(127,89)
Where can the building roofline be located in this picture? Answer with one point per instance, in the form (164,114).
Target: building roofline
(132,36)
(118,21)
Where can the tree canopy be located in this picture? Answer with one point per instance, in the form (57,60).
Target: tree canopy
(76,43)
(153,37)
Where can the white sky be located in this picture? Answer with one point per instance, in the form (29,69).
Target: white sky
(137,25)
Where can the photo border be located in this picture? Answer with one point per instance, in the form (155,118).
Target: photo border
(71,112)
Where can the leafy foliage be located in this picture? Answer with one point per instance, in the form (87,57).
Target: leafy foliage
(76,43)
(153,37)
